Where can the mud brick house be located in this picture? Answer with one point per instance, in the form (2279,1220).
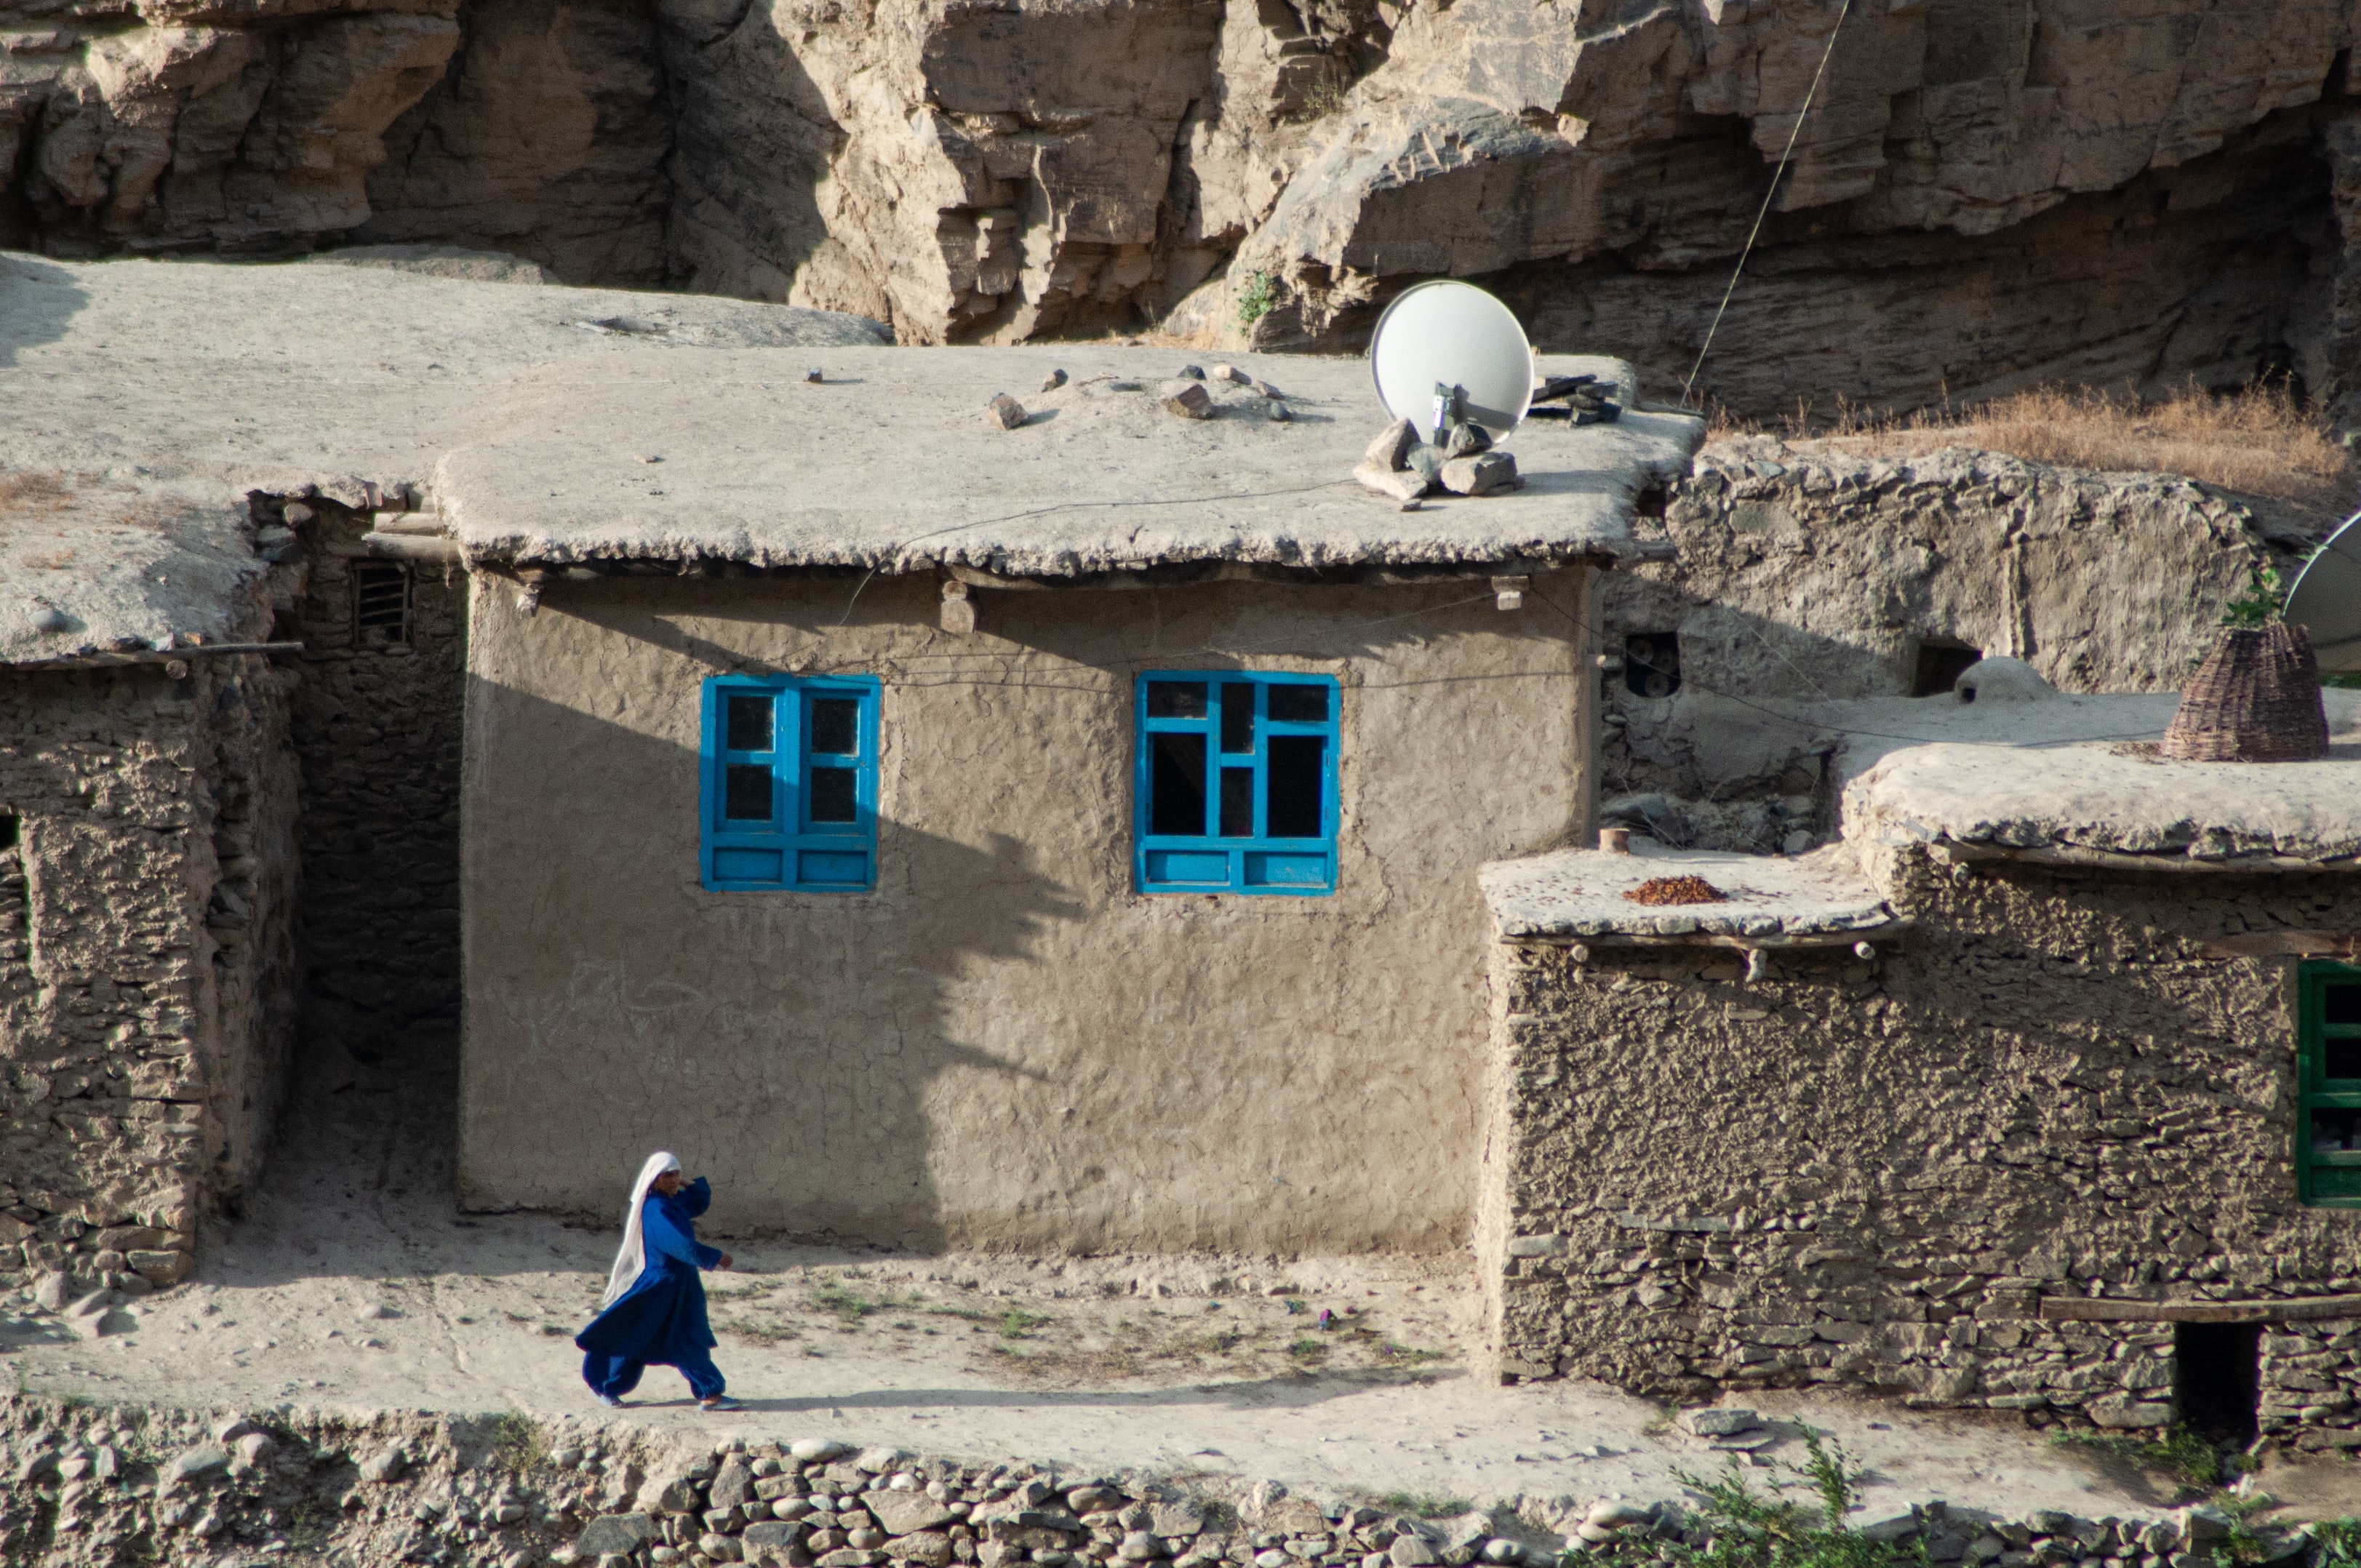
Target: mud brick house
(1060,837)
(2036,1090)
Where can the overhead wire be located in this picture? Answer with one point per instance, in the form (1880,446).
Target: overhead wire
(1768,196)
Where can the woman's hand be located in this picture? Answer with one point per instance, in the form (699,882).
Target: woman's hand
(726,1261)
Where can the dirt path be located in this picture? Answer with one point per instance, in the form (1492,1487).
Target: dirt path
(352,1283)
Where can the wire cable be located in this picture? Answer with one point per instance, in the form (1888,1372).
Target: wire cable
(1764,211)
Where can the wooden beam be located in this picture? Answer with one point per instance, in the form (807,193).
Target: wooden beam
(2292,1309)
(1957,853)
(411,547)
(154,656)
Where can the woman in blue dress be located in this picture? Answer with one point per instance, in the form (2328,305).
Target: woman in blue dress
(654,1311)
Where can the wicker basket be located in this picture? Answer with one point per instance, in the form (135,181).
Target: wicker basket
(2254,699)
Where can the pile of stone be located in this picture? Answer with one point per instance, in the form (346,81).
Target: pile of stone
(1400,465)
(1190,393)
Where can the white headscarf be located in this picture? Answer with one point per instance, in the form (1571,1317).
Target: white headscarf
(633,1257)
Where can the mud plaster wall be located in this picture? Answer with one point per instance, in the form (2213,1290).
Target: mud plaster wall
(147,954)
(376,726)
(1805,577)
(1869,1173)
(1003,1046)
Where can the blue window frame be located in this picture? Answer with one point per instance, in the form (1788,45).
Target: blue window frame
(787,781)
(1235,785)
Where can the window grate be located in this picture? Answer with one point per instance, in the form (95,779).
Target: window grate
(790,783)
(382,603)
(2328,1085)
(1237,782)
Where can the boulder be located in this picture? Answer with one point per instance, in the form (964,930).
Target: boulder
(904,1513)
(386,1465)
(615,1535)
(206,1461)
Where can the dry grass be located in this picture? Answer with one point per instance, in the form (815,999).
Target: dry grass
(37,495)
(2259,441)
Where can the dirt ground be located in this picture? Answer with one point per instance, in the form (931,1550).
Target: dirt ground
(351,1282)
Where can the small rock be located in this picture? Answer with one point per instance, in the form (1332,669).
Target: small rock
(1140,1546)
(162,1266)
(813,376)
(1003,412)
(385,1465)
(1466,439)
(1401,485)
(1233,375)
(733,1484)
(199,1464)
(1411,1551)
(1053,381)
(1499,1549)
(1901,1527)
(877,1461)
(520,1558)
(1265,388)
(50,1293)
(1485,474)
(106,1465)
(376,1311)
(93,1304)
(1190,401)
(1094,1499)
(615,1535)
(1277,1559)
(47,619)
(249,1451)
(1193,372)
(1392,448)
(1613,1515)
(720,1548)
(1720,1421)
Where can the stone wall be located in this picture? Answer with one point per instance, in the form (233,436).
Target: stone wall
(376,726)
(146,1002)
(1810,575)
(1874,1172)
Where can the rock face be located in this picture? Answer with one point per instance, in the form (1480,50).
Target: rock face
(1981,196)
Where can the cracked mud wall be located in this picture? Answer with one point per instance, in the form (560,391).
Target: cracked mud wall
(146,992)
(1003,1046)
(1870,1173)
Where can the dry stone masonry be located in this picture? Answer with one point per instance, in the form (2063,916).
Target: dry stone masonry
(95,1486)
(1960,1165)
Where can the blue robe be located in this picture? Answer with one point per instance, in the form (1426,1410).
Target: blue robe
(661,1318)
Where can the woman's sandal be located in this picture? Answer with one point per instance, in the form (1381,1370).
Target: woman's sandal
(721,1402)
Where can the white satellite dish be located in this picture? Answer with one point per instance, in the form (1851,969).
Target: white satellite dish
(1447,353)
(2326,598)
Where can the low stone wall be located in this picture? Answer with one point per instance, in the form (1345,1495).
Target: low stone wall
(146,957)
(1875,1172)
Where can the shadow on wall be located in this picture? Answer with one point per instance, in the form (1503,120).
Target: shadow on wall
(36,299)
(678,1018)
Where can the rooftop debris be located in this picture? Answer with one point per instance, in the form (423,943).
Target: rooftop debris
(1676,889)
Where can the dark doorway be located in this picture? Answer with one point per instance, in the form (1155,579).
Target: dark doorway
(2218,1382)
(1941,665)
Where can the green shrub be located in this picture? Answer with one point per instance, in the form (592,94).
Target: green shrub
(2176,1451)
(1255,300)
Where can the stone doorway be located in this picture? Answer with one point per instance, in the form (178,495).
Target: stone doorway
(2216,1382)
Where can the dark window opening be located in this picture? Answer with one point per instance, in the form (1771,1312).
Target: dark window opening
(1939,667)
(747,795)
(1238,802)
(382,603)
(832,796)
(1176,784)
(1651,663)
(1299,705)
(2218,1379)
(2334,1132)
(1176,699)
(2341,1005)
(836,727)
(1649,502)
(750,724)
(8,832)
(1292,787)
(1237,717)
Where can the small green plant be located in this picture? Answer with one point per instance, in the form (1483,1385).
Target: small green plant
(2338,1542)
(1747,1529)
(1017,1323)
(1308,1348)
(1297,1306)
(2175,1452)
(1426,1505)
(519,1444)
(1255,300)
(2259,605)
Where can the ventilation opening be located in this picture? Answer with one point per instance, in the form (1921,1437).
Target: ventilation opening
(1649,502)
(380,603)
(2218,1381)
(1939,667)
(1651,663)
(7,831)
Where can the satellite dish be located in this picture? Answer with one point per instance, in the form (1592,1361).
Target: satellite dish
(1447,353)
(2326,598)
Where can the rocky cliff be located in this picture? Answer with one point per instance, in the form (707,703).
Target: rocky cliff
(1984,193)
